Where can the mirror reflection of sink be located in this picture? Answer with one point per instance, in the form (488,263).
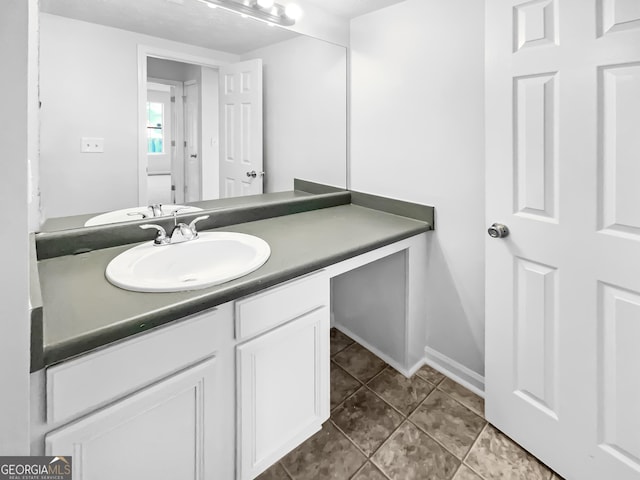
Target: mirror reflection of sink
(136,213)
(211,259)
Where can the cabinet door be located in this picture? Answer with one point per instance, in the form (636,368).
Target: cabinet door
(156,433)
(283,379)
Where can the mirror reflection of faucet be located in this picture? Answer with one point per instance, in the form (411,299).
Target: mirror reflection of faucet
(156,209)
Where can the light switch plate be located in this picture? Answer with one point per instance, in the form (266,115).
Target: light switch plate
(92,145)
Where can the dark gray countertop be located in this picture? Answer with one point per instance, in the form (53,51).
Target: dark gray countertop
(83,311)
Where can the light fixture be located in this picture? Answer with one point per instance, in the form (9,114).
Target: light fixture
(293,11)
(266,10)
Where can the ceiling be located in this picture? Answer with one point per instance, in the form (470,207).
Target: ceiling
(351,8)
(187,21)
(192,22)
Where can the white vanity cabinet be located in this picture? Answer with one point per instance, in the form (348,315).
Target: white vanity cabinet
(282,370)
(157,433)
(220,395)
(158,405)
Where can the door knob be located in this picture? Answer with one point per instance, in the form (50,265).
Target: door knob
(194,155)
(254,174)
(498,230)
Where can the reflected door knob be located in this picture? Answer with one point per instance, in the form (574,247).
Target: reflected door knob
(498,230)
(254,174)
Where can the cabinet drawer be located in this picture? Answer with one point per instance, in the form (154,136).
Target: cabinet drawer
(262,311)
(95,379)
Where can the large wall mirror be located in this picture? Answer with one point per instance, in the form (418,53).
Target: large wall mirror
(174,102)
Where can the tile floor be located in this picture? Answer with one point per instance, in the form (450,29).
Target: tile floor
(384,426)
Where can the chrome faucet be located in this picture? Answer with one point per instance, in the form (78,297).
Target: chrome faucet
(156,209)
(181,231)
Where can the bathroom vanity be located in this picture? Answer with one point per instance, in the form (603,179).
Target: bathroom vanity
(222,382)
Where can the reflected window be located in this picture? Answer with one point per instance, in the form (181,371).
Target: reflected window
(155,129)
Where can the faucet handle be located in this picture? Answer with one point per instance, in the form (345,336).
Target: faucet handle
(192,225)
(161,236)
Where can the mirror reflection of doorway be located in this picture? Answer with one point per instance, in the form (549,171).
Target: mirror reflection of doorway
(174,169)
(203,131)
(160,142)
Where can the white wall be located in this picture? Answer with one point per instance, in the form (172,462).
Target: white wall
(15,33)
(34,119)
(305,112)
(209,134)
(88,86)
(417,134)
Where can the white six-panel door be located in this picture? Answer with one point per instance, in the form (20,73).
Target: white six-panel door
(563,289)
(241,152)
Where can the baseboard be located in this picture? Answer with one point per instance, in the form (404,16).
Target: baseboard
(404,371)
(445,365)
(454,370)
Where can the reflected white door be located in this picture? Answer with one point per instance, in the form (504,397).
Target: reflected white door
(563,289)
(192,142)
(241,158)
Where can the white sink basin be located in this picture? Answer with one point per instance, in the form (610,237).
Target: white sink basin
(124,214)
(211,259)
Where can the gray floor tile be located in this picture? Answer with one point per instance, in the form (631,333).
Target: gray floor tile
(465,473)
(275,472)
(326,455)
(412,455)
(464,396)
(449,422)
(359,362)
(342,385)
(496,457)
(403,393)
(366,419)
(451,414)
(430,374)
(369,472)
(338,341)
